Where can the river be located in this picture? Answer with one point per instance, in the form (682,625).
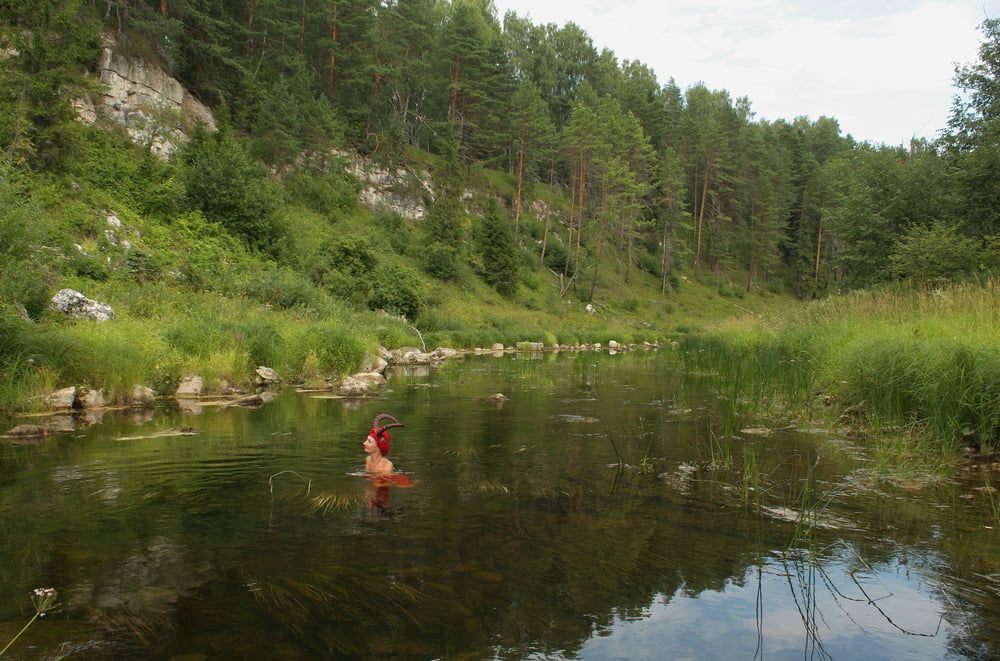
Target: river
(599,513)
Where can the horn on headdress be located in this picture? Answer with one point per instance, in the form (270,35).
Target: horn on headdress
(382,417)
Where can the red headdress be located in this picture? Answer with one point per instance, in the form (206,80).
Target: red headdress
(380,432)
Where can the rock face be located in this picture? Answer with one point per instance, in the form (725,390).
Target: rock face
(145,99)
(400,190)
(74,304)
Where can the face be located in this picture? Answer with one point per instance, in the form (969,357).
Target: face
(370,445)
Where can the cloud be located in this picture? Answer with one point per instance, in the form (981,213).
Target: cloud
(883,69)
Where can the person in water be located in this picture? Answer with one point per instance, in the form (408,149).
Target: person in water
(377,445)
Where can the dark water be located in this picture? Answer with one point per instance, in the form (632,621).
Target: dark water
(517,541)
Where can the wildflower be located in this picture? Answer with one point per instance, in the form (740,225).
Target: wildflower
(44,600)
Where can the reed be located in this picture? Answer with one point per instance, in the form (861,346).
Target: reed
(927,361)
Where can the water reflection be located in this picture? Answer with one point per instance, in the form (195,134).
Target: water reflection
(527,535)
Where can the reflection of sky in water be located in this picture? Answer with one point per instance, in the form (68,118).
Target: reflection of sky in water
(723,624)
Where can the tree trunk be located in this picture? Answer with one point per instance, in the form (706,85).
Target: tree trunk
(753,252)
(456,76)
(163,7)
(819,247)
(701,217)
(522,147)
(332,62)
(548,214)
(663,257)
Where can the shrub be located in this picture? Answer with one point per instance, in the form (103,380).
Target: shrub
(392,228)
(441,261)
(935,253)
(283,288)
(396,290)
(231,188)
(332,194)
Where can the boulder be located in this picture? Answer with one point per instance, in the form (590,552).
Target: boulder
(613,344)
(89,399)
(142,396)
(530,346)
(61,400)
(361,384)
(74,304)
(373,363)
(497,347)
(190,386)
(411,356)
(266,376)
(384,353)
(497,398)
(590,308)
(444,353)
(27,431)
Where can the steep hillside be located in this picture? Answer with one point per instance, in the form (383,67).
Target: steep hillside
(213,266)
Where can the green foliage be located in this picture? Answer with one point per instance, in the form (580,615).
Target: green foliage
(230,188)
(496,247)
(441,261)
(27,267)
(282,288)
(52,44)
(927,254)
(396,290)
(332,193)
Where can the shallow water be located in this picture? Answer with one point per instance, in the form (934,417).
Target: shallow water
(521,537)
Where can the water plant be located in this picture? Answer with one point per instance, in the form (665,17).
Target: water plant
(44,601)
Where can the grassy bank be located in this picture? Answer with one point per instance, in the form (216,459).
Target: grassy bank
(214,267)
(919,370)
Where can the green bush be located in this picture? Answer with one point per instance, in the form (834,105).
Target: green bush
(926,254)
(649,263)
(441,261)
(231,188)
(283,288)
(333,193)
(393,230)
(396,290)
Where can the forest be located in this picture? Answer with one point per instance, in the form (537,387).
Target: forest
(689,176)
(655,190)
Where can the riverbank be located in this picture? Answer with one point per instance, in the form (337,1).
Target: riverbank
(918,372)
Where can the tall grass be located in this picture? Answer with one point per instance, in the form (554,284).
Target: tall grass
(925,361)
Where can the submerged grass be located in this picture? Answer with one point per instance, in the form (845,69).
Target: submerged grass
(920,370)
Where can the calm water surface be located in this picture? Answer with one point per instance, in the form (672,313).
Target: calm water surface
(521,538)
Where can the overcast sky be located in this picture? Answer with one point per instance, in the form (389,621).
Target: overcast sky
(883,68)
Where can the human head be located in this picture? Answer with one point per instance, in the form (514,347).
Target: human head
(382,439)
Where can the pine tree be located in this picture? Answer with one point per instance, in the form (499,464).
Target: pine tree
(496,247)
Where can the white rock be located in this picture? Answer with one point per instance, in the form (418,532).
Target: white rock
(114,221)
(190,386)
(497,347)
(74,304)
(142,396)
(89,399)
(266,375)
(61,400)
(613,344)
